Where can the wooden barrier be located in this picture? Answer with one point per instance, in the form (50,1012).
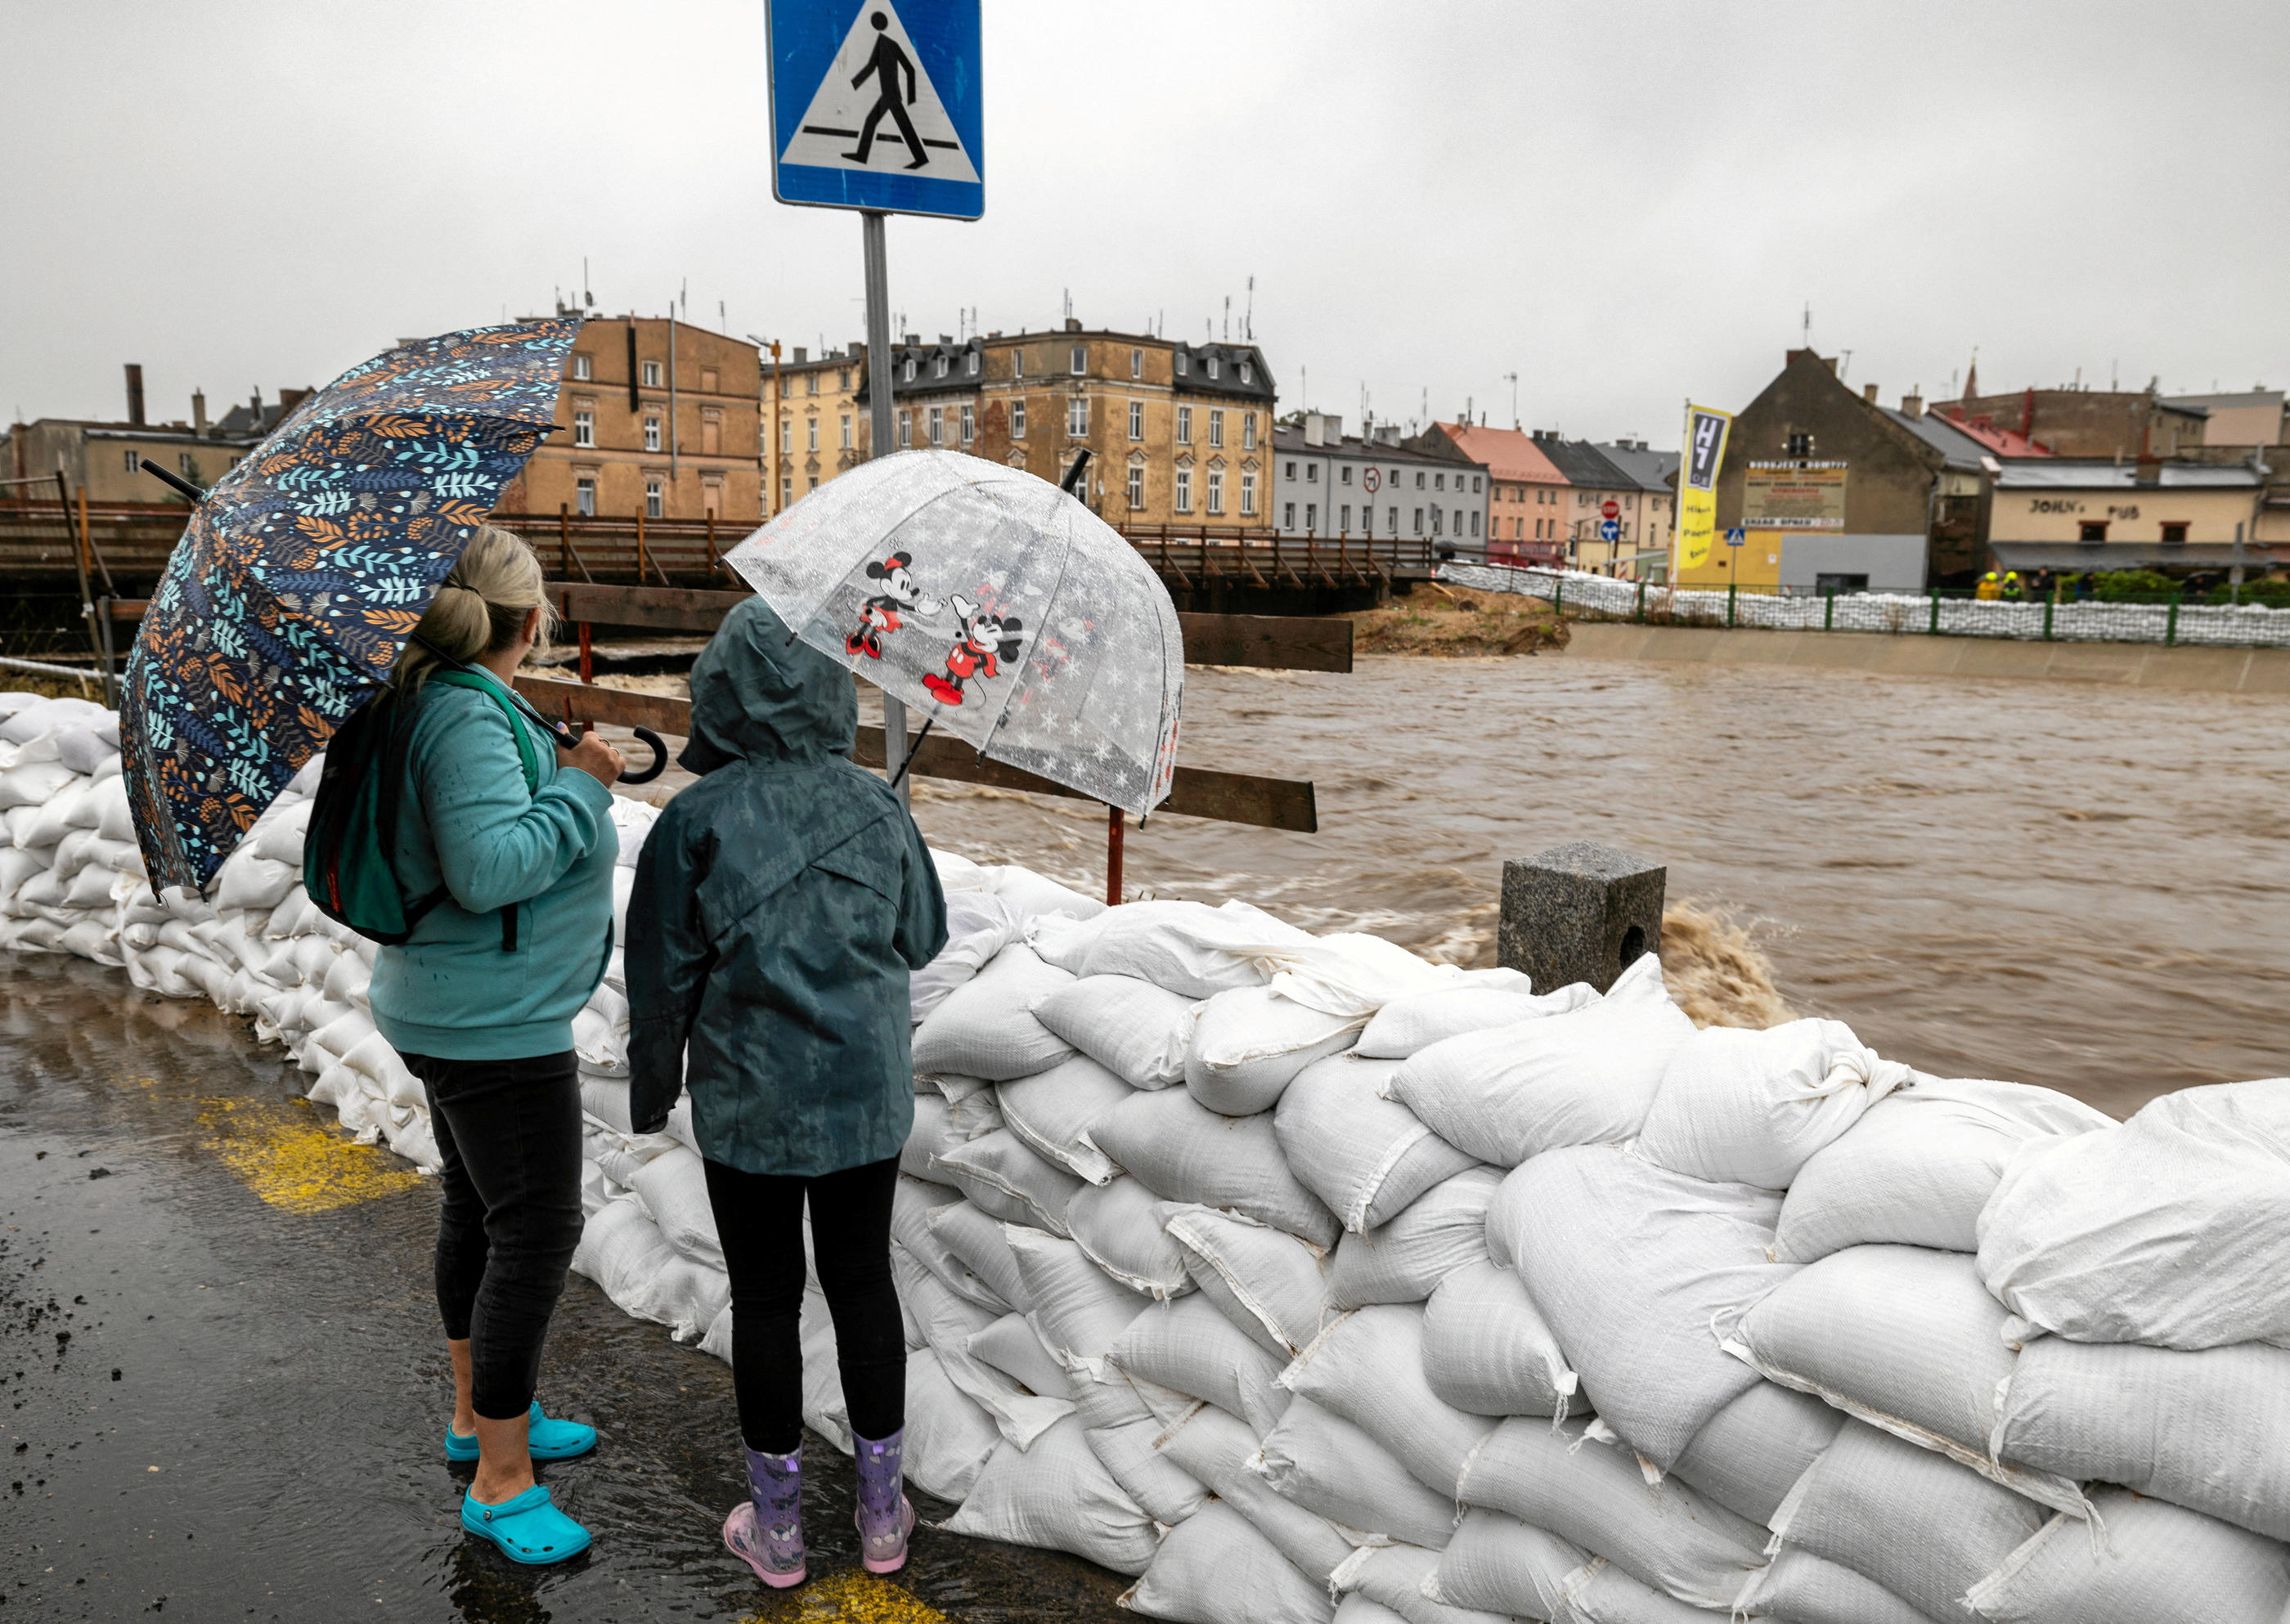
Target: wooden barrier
(1199,792)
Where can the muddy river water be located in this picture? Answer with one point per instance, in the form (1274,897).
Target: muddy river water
(2056,882)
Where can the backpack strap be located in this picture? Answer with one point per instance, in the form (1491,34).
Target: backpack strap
(528,756)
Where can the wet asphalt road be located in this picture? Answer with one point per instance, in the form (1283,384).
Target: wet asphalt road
(224,1383)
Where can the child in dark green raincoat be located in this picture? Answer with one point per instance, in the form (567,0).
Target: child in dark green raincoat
(779,904)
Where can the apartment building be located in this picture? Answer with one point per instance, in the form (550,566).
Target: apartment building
(1375,484)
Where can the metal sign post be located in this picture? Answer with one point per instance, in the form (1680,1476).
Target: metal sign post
(872,114)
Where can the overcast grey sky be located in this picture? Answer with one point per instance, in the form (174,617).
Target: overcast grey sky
(1623,204)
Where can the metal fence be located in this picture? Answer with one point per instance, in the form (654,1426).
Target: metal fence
(1938,614)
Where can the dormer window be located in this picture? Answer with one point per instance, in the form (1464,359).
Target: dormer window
(941,370)
(1247,372)
(910,369)
(1213,367)
(970,364)
(1182,363)
(1078,362)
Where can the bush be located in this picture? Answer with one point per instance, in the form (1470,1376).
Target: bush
(2133,587)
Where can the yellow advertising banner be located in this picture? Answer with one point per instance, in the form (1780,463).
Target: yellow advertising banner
(1697,483)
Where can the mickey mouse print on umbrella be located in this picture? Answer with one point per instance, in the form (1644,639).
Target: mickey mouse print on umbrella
(999,605)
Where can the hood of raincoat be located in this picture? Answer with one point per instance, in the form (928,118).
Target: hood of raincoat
(759,695)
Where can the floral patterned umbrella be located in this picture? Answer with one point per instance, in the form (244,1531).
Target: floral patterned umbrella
(1011,614)
(306,568)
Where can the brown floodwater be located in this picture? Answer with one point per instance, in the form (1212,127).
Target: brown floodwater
(2056,883)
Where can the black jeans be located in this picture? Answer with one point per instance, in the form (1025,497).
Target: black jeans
(508,1143)
(759,1219)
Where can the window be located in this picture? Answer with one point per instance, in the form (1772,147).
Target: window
(938,424)
(1247,372)
(811,482)
(787,489)
(1391,520)
(787,437)
(970,363)
(1419,485)
(1312,515)
(811,434)
(2174,535)
(1436,516)
(1017,420)
(940,370)
(906,429)
(843,380)
(1078,361)
(1800,443)
(1216,430)
(711,434)
(1183,360)
(1248,431)
(1438,481)
(1345,522)
(584,426)
(1213,367)
(846,431)
(810,383)
(1136,484)
(1475,484)
(134,462)
(1216,490)
(969,423)
(1288,515)
(1017,363)
(1136,419)
(1184,425)
(1136,363)
(655,506)
(651,374)
(2092,531)
(652,433)
(584,497)
(711,499)
(1311,473)
(909,369)
(1346,476)
(1288,469)
(1475,524)
(1078,417)
(1184,490)
(582,367)
(1247,493)
(1419,521)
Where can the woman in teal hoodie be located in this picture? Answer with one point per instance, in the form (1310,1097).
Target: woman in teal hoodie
(479,1001)
(779,904)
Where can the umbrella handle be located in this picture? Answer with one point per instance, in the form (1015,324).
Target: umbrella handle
(659,758)
(164,477)
(1073,474)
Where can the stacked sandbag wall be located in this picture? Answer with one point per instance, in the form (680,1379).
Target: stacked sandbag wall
(1306,1280)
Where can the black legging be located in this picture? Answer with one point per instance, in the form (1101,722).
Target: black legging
(508,1150)
(759,1218)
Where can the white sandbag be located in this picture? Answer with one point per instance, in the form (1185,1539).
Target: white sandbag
(1910,1520)
(1267,1281)
(1058,1495)
(1078,1311)
(1011,1346)
(1183,1152)
(41,716)
(1366,1156)
(825,1410)
(1597,1496)
(1358,1609)
(278,835)
(1032,895)
(16,866)
(1117,1226)
(948,1438)
(1117,1399)
(1249,1044)
(1801,1588)
(1918,1167)
(941,1129)
(1214,1568)
(1444,1229)
(1488,1349)
(1602,1593)
(1167,1492)
(1187,1346)
(1327,1465)
(2158,1564)
(1133,1029)
(1630,1264)
(956,872)
(624,1252)
(1367,1367)
(913,1204)
(90,750)
(1497,1563)
(1214,1448)
(1417,1020)
(1401,1577)
(949,1324)
(975,1238)
(978,927)
(1053,1111)
(251,882)
(1187,947)
(59,814)
(1511,1092)
(36,783)
(2168,1230)
(1903,1338)
(1743,1107)
(986,1028)
(1751,1454)
(1002,1174)
(114,819)
(2207,1430)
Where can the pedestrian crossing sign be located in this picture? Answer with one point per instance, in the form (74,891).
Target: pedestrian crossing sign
(875,105)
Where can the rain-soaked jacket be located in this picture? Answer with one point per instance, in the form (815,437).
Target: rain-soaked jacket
(779,904)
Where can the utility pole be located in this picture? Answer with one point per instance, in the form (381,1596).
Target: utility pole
(1512,378)
(879,414)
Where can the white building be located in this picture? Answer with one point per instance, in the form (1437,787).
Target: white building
(1331,485)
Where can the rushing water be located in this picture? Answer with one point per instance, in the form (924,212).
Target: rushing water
(2057,882)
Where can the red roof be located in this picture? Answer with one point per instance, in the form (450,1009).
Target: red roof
(2003,442)
(1510,454)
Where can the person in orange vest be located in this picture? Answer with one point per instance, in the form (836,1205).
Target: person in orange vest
(1991,587)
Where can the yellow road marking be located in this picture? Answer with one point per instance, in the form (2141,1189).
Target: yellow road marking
(851,1596)
(294,1163)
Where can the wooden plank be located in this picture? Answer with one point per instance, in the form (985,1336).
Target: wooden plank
(1199,792)
(1271,642)
(653,608)
(130,608)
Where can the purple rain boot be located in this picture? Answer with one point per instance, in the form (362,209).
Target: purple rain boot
(885,1516)
(765,1529)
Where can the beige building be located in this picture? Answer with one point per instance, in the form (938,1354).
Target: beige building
(656,416)
(821,428)
(2062,514)
(105,458)
(2255,417)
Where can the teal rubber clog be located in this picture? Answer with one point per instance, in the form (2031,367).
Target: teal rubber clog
(528,1529)
(546,1437)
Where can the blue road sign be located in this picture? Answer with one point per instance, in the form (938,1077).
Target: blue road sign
(1737,537)
(1609,531)
(873,107)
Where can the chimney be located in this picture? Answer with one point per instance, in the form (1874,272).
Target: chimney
(199,411)
(801,355)
(946,338)
(1315,430)
(914,341)
(1073,323)
(288,399)
(2148,470)
(135,393)
(1868,393)
(1912,404)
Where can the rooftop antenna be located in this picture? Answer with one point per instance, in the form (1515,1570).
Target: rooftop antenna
(684,299)
(1068,295)
(586,298)
(1248,316)
(1228,318)
(1512,378)
(1806,329)
(1846,367)
(722,320)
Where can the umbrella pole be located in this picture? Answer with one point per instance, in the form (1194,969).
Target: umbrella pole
(1113,857)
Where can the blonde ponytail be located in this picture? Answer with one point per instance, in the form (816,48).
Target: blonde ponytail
(480,608)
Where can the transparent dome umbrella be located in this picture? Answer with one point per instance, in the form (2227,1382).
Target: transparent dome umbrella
(1001,607)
